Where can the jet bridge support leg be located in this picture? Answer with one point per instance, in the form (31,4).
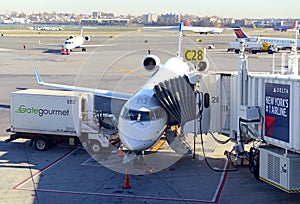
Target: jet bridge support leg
(241,95)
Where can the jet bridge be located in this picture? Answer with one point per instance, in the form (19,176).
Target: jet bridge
(246,107)
(261,107)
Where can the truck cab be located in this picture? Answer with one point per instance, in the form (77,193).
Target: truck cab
(101,134)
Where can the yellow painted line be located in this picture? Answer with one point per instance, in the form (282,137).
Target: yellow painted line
(132,73)
(278,186)
(157,145)
(35,55)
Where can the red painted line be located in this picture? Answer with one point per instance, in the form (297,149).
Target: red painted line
(214,200)
(117,195)
(222,183)
(16,187)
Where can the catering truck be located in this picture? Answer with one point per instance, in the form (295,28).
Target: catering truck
(252,47)
(50,117)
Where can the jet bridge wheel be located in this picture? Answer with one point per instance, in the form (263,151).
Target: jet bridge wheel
(41,143)
(254,162)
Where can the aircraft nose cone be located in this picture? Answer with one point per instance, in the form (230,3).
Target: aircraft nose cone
(136,144)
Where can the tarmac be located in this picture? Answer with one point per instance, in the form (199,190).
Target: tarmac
(67,174)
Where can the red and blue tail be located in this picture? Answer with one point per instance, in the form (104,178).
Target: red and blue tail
(294,25)
(187,22)
(240,34)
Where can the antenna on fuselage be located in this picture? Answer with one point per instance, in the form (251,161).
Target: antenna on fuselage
(179,52)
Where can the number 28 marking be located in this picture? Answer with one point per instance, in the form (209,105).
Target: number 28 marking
(215,99)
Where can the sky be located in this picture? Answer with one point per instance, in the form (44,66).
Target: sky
(221,8)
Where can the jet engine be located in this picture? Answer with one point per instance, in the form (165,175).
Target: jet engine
(151,62)
(87,38)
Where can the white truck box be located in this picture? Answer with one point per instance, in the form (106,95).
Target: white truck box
(48,111)
(236,46)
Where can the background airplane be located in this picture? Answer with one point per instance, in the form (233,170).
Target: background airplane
(201,30)
(46,28)
(188,27)
(282,43)
(73,42)
(285,28)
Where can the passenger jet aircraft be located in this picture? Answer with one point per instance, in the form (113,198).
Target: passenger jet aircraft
(146,115)
(283,43)
(286,28)
(189,27)
(73,42)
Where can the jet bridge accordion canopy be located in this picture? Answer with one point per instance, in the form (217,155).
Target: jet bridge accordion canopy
(178,98)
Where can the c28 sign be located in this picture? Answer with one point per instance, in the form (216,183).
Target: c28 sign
(194,55)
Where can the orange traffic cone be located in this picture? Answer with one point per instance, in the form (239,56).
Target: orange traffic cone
(126,181)
(121,153)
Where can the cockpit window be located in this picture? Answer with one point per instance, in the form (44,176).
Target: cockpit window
(136,115)
(159,113)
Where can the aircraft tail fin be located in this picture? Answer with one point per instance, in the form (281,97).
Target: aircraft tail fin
(187,22)
(240,34)
(179,52)
(294,25)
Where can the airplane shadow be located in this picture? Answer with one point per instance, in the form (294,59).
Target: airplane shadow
(52,51)
(21,88)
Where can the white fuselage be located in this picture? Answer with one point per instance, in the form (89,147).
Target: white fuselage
(279,42)
(74,42)
(203,29)
(143,120)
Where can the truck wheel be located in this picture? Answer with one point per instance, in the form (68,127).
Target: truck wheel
(41,143)
(84,144)
(270,52)
(94,147)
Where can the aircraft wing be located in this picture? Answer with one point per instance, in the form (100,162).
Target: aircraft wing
(161,28)
(98,92)
(100,45)
(188,28)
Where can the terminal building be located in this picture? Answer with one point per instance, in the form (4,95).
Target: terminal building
(104,22)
